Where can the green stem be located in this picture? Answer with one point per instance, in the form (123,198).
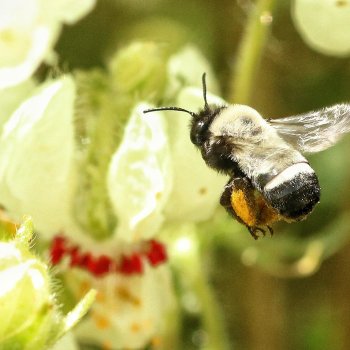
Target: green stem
(250,51)
(193,277)
(212,315)
(99,124)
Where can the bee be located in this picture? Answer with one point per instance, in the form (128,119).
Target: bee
(270,179)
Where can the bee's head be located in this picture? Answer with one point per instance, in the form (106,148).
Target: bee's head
(200,124)
(200,121)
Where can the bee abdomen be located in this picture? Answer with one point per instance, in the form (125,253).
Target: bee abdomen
(294,192)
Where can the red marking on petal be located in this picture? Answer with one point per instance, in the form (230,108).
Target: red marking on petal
(157,253)
(102,265)
(56,255)
(75,256)
(57,249)
(131,265)
(87,261)
(59,240)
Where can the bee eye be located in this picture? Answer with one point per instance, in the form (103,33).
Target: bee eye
(198,131)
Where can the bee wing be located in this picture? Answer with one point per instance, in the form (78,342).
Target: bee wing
(314,131)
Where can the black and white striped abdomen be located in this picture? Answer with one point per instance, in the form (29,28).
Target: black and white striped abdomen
(293,192)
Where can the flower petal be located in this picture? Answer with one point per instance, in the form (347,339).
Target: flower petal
(139,176)
(28,50)
(324,25)
(129,311)
(186,68)
(67,342)
(36,156)
(196,188)
(70,11)
(28,32)
(11,98)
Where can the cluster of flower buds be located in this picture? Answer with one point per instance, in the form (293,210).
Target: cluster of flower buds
(153,251)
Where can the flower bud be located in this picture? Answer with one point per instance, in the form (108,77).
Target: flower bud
(141,68)
(324,25)
(30,319)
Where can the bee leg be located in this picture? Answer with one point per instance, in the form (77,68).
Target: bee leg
(239,201)
(253,231)
(270,230)
(225,200)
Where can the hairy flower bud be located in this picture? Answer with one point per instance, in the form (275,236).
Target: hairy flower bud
(30,319)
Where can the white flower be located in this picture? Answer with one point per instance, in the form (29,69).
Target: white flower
(28,32)
(155,176)
(36,168)
(37,145)
(157,173)
(11,97)
(139,178)
(196,188)
(324,25)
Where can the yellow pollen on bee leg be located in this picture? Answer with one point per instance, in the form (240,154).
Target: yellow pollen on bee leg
(242,208)
(267,215)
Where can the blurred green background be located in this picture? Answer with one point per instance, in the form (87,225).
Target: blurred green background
(291,291)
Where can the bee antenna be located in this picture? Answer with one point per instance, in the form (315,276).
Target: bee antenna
(177,109)
(206,105)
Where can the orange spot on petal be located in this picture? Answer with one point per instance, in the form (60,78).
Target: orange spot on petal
(125,294)
(101,322)
(100,297)
(156,341)
(135,327)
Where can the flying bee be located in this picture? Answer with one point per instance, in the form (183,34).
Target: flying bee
(270,179)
